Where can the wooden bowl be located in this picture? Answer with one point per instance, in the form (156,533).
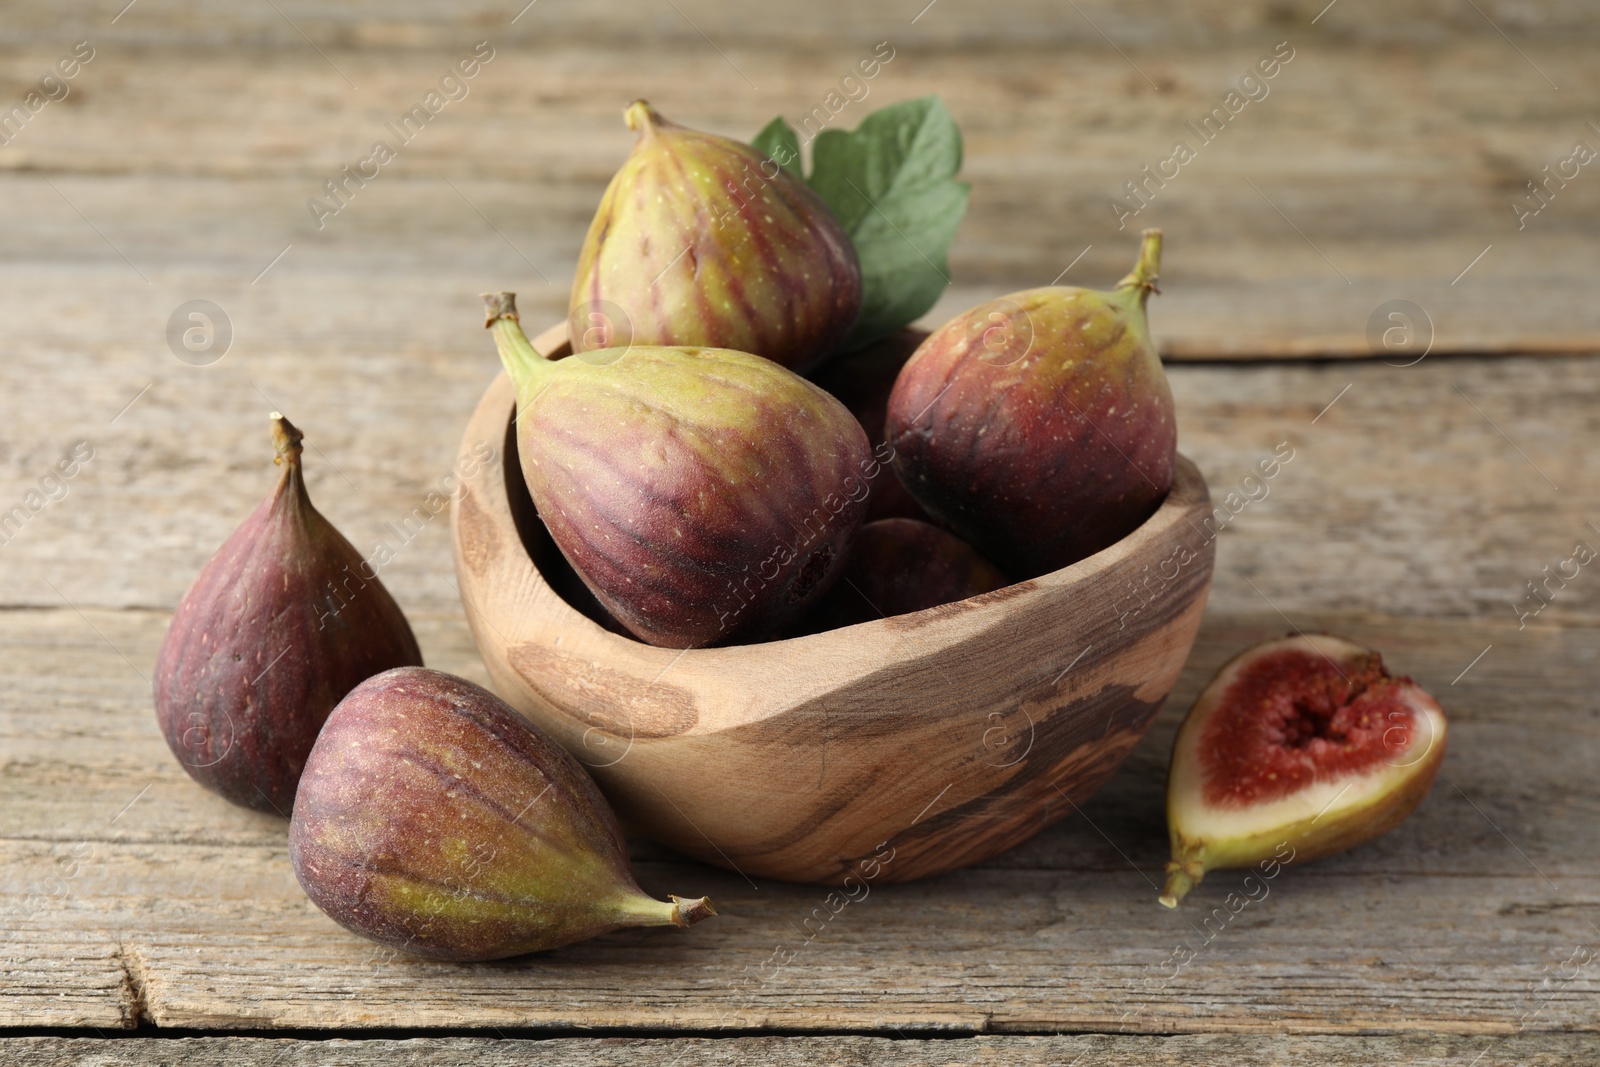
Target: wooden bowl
(892,749)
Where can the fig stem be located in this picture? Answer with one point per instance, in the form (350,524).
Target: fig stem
(687,912)
(1181,877)
(644,910)
(640,116)
(285,440)
(1147,271)
(291,490)
(522,361)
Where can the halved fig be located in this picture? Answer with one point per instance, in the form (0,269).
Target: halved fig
(1305,742)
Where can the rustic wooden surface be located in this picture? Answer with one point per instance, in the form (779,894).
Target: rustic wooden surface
(182,911)
(1383,161)
(1420,502)
(1434,1050)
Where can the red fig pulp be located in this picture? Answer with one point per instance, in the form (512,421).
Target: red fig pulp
(1305,743)
(1040,426)
(434,819)
(284,620)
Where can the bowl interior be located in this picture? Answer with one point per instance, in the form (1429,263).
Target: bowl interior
(563,579)
(539,624)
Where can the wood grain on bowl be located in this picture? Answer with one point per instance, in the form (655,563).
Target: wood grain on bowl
(892,749)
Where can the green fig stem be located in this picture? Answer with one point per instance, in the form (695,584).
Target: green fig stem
(640,116)
(522,361)
(1181,877)
(1147,271)
(642,910)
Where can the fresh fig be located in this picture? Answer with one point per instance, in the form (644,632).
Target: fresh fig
(862,382)
(1040,426)
(284,620)
(434,819)
(705,496)
(1305,742)
(898,566)
(701,240)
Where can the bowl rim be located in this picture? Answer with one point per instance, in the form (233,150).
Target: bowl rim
(914,635)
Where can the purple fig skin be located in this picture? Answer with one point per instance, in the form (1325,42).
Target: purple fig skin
(862,382)
(1040,426)
(899,566)
(434,819)
(704,496)
(703,241)
(281,623)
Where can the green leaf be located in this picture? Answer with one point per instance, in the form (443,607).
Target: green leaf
(891,183)
(778,142)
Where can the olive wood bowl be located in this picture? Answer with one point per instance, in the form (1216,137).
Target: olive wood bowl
(893,749)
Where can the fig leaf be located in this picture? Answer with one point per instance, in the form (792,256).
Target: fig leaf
(781,144)
(891,184)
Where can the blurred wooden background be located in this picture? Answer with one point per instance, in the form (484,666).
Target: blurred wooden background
(1383,165)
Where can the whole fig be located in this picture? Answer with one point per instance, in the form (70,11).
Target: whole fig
(1298,748)
(701,240)
(898,566)
(704,496)
(284,620)
(862,382)
(1040,426)
(434,819)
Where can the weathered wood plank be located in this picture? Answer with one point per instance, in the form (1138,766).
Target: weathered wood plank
(224,939)
(1288,229)
(182,910)
(1527,1050)
(414,24)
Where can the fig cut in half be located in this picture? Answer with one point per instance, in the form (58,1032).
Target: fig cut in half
(1306,741)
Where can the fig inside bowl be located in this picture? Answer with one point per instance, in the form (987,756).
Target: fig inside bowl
(888,750)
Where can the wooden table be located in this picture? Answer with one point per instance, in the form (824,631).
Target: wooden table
(146,921)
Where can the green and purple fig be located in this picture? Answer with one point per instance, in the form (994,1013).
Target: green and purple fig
(1299,748)
(283,621)
(704,496)
(701,240)
(862,382)
(434,819)
(1040,426)
(898,566)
